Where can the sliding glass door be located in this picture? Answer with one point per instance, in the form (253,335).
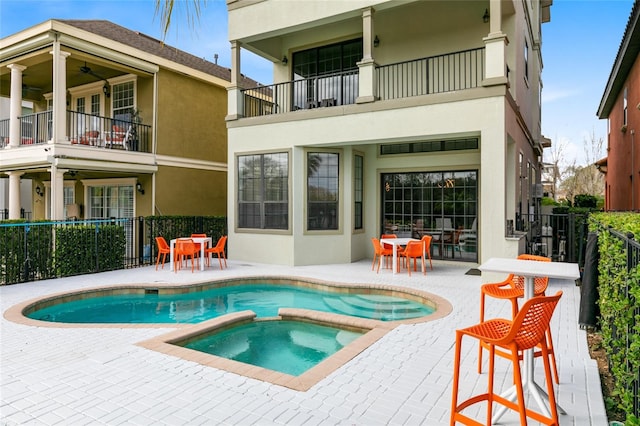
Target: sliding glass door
(443,205)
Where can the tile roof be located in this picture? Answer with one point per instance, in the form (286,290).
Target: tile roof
(154,46)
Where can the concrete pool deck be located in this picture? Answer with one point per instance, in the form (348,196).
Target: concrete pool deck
(85,375)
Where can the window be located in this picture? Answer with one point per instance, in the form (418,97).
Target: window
(322,191)
(263,191)
(122,95)
(624,108)
(429,146)
(111,201)
(526,59)
(68,197)
(358,186)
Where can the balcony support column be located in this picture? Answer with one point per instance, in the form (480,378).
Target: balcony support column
(15,109)
(235,101)
(367,67)
(14,194)
(59,119)
(496,42)
(57,191)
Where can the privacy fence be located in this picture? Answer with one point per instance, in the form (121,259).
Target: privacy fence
(42,250)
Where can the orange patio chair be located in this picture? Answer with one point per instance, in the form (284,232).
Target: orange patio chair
(185,248)
(198,245)
(378,252)
(512,288)
(526,331)
(413,250)
(217,250)
(163,249)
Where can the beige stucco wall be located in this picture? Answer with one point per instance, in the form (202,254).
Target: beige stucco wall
(478,117)
(191,118)
(188,191)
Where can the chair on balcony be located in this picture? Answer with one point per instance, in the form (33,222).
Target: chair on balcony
(118,137)
(87,138)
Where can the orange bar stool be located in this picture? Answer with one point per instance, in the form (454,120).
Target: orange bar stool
(527,330)
(512,289)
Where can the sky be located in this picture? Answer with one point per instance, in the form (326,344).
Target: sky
(579,46)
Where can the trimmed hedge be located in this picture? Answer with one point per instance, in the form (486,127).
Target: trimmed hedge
(89,248)
(619,289)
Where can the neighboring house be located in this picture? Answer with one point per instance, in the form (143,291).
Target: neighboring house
(384,116)
(122,126)
(620,105)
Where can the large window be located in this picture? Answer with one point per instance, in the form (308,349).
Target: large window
(327,75)
(440,204)
(263,191)
(322,190)
(358,191)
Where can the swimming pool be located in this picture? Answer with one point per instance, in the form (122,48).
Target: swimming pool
(194,304)
(386,307)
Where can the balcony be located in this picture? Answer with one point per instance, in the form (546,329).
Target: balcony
(435,74)
(82,129)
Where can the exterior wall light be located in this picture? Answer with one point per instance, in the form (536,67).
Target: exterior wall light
(376,42)
(139,188)
(39,191)
(285,61)
(485,17)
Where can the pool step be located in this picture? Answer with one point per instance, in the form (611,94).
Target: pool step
(349,306)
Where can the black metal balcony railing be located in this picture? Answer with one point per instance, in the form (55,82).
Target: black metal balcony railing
(105,132)
(316,92)
(434,74)
(83,129)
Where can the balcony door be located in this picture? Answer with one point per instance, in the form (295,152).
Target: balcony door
(440,204)
(326,75)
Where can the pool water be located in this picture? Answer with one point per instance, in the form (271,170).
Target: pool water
(195,307)
(290,347)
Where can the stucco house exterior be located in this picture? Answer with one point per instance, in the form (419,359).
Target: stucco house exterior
(121,125)
(413,117)
(620,106)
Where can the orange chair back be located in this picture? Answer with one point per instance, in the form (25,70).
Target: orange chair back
(413,249)
(427,242)
(185,246)
(198,235)
(529,326)
(162,244)
(539,283)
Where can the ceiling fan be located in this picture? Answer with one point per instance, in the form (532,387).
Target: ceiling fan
(86,70)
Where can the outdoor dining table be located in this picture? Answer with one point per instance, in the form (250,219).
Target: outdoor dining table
(398,242)
(202,240)
(529,269)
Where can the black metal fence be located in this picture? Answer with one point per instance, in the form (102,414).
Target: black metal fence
(562,237)
(626,336)
(31,251)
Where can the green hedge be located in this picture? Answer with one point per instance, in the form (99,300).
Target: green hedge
(89,248)
(25,251)
(171,227)
(619,302)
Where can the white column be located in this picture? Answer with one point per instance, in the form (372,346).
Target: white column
(15,107)
(367,67)
(59,94)
(14,194)
(495,48)
(57,192)
(235,105)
